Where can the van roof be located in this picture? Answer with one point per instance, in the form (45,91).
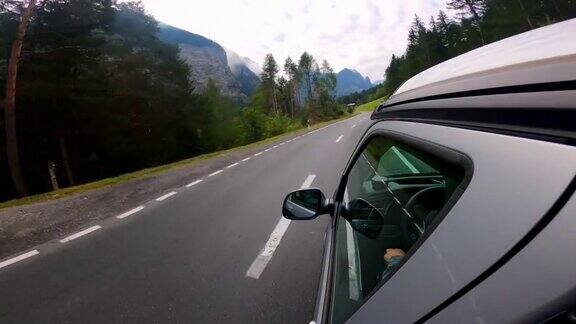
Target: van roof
(523,85)
(543,55)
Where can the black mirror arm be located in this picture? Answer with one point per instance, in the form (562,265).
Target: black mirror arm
(327,207)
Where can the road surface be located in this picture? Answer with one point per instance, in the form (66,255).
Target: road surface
(216,250)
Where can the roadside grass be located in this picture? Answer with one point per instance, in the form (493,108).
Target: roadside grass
(370,106)
(151,171)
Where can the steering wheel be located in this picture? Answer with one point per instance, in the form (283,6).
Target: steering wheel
(421,207)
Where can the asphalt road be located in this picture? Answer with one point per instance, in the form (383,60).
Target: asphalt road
(185,258)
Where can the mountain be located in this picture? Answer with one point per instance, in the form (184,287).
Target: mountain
(351,81)
(245,71)
(208,60)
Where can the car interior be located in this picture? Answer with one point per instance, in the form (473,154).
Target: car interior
(392,211)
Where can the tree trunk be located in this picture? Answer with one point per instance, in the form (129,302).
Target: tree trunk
(526,15)
(53,177)
(10,105)
(292,98)
(309,86)
(274,103)
(65,160)
(297,99)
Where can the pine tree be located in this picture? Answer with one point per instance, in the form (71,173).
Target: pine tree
(305,65)
(291,70)
(268,77)
(473,8)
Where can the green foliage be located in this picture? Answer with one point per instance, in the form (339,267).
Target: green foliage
(305,65)
(251,124)
(278,123)
(96,80)
(282,95)
(370,106)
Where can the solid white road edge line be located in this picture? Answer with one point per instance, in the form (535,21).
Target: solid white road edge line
(18,258)
(193,183)
(353,282)
(214,173)
(170,194)
(130,212)
(353,278)
(267,252)
(339,138)
(81,233)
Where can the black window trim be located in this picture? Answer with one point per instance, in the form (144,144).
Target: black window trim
(564,85)
(449,155)
(555,125)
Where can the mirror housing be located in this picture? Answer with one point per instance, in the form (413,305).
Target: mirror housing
(305,204)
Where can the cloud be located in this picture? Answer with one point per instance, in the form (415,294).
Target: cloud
(280,38)
(306,9)
(359,34)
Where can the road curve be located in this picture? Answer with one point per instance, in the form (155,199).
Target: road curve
(186,255)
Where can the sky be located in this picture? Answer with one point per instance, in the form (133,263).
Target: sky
(357,34)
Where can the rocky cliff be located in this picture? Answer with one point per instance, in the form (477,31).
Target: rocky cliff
(208,60)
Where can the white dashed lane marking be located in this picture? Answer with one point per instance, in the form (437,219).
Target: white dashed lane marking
(18,258)
(193,183)
(339,138)
(81,233)
(170,194)
(267,252)
(232,165)
(130,212)
(215,173)
(246,159)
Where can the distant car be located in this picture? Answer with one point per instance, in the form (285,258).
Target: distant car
(458,204)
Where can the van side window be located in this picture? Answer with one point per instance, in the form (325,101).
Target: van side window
(393,193)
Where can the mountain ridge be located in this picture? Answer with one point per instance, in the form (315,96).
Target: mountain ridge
(350,80)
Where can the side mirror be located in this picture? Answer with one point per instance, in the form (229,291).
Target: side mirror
(305,204)
(364,217)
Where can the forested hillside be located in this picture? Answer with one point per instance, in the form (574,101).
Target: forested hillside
(95,93)
(476,23)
